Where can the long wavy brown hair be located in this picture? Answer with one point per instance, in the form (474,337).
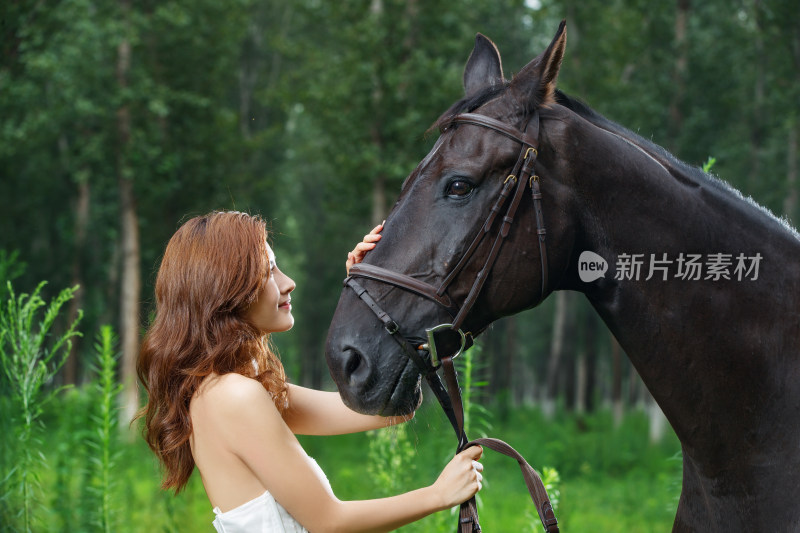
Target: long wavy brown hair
(212,270)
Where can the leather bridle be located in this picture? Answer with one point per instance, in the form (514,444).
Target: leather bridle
(521,176)
(514,187)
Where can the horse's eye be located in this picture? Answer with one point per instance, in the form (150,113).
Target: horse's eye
(459,188)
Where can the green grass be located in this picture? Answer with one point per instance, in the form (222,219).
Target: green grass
(611,479)
(65,467)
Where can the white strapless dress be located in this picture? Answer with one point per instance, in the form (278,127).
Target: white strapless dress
(262,514)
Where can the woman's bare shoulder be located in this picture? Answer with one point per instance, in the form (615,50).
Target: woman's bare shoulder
(231,392)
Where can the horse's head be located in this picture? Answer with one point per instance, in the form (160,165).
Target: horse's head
(462,244)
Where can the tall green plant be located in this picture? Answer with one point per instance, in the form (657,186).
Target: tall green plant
(10,269)
(391,459)
(66,485)
(29,363)
(476,417)
(102,441)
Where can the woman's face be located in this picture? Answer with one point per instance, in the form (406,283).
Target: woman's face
(272,310)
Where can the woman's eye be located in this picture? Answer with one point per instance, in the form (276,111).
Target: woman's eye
(459,188)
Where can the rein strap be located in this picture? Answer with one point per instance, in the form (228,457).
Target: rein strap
(468,512)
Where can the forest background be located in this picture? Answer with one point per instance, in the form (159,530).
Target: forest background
(121,119)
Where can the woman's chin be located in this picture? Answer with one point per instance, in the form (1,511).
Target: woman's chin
(285,325)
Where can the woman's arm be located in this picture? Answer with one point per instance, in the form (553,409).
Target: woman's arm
(255,432)
(458,482)
(314,412)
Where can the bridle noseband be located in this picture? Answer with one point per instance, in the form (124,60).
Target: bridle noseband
(521,176)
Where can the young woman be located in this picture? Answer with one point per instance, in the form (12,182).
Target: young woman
(218,397)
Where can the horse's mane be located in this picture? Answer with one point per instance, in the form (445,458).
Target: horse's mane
(683,172)
(680,170)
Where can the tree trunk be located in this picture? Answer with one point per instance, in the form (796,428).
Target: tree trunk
(249,68)
(790,202)
(658,422)
(129,299)
(580,382)
(587,362)
(499,357)
(130,287)
(757,113)
(616,381)
(679,72)
(311,342)
(378,195)
(71,365)
(251,63)
(568,370)
(636,389)
(376,131)
(556,351)
(505,360)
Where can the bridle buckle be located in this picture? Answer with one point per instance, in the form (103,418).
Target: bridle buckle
(430,346)
(391,327)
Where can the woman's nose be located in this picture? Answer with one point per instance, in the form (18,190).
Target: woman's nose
(287,284)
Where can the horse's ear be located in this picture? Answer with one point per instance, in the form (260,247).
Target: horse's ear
(536,83)
(484,67)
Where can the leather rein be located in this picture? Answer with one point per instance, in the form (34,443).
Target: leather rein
(514,187)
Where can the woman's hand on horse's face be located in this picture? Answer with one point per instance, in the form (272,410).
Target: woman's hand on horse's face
(461,479)
(361,249)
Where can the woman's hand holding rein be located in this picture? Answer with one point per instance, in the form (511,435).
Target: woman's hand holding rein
(461,479)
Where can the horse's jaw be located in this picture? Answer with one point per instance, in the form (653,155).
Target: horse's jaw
(403,397)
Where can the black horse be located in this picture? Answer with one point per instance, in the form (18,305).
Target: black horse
(699,285)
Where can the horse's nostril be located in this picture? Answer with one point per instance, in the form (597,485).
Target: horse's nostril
(354,360)
(356,369)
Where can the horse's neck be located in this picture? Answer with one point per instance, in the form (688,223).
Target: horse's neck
(703,346)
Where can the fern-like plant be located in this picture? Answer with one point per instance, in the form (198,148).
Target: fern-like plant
(391,459)
(29,362)
(102,441)
(477,419)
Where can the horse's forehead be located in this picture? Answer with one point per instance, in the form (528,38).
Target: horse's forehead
(425,163)
(434,151)
(504,108)
(463,145)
